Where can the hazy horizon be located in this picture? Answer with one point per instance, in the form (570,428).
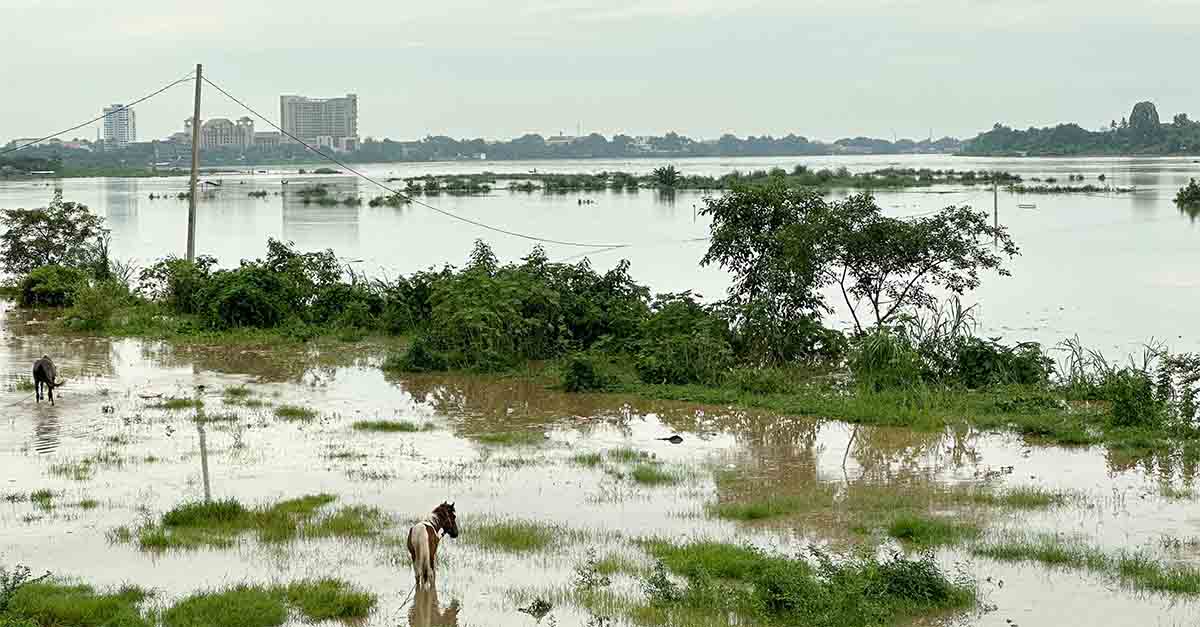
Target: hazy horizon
(702,68)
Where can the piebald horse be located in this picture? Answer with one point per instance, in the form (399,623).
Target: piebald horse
(423,541)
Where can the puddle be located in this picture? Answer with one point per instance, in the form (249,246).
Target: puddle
(107,441)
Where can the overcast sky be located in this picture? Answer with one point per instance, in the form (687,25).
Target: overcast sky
(479,68)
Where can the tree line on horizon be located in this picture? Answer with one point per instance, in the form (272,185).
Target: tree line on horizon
(443,148)
(1142,132)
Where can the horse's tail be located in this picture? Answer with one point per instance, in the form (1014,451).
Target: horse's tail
(418,539)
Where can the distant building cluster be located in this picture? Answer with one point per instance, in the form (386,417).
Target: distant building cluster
(330,123)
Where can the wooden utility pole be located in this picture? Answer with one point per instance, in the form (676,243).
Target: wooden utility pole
(191,235)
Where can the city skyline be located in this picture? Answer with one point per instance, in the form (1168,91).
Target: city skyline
(701,68)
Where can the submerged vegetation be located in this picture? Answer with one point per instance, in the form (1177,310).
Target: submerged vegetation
(1136,570)
(669,178)
(51,603)
(221,523)
(848,590)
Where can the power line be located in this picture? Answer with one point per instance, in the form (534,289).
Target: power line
(407,197)
(94,120)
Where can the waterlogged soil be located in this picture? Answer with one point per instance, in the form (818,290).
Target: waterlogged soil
(147,459)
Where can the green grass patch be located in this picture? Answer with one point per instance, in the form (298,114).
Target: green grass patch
(855,590)
(42,499)
(625,455)
(77,470)
(236,393)
(176,404)
(391,426)
(89,504)
(1136,571)
(64,604)
(511,438)
(654,475)
(218,524)
(294,412)
(590,460)
(516,536)
(259,606)
(326,599)
(355,521)
(931,531)
(239,606)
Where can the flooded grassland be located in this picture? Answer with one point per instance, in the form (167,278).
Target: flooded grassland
(566,501)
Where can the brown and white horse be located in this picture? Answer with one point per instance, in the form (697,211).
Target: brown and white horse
(423,541)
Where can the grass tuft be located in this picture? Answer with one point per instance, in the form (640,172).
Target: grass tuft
(326,599)
(511,438)
(54,603)
(653,475)
(391,426)
(239,606)
(591,460)
(1137,571)
(926,531)
(515,536)
(294,412)
(176,404)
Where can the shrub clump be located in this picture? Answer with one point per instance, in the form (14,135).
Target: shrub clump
(51,286)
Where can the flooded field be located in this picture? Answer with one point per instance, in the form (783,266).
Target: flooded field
(1091,264)
(541,480)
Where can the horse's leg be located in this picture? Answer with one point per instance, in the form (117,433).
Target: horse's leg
(51,389)
(37,389)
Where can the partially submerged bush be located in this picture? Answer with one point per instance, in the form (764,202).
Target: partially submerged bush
(51,286)
(683,342)
(855,590)
(585,372)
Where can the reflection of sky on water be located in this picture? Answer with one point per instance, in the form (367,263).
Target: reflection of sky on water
(1091,264)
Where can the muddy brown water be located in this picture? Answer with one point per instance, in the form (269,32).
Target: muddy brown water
(261,458)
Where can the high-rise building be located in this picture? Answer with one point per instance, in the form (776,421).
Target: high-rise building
(120,126)
(331,122)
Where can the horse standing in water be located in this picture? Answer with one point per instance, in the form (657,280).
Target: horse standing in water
(423,542)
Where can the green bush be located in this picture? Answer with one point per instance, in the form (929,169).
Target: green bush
(95,304)
(178,283)
(683,342)
(250,296)
(1131,393)
(982,363)
(584,372)
(762,380)
(420,356)
(882,359)
(51,286)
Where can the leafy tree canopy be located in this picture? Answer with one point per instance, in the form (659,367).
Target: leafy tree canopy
(63,233)
(784,246)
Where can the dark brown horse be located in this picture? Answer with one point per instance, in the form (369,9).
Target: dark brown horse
(423,541)
(45,374)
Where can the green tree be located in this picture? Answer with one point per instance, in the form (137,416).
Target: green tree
(63,233)
(785,246)
(666,176)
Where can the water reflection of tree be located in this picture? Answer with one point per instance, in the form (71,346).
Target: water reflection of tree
(886,453)
(1167,463)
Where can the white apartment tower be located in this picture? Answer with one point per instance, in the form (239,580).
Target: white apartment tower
(120,126)
(328,122)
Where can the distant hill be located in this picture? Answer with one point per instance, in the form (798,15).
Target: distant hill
(1141,133)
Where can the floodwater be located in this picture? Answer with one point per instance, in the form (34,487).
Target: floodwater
(105,406)
(1114,269)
